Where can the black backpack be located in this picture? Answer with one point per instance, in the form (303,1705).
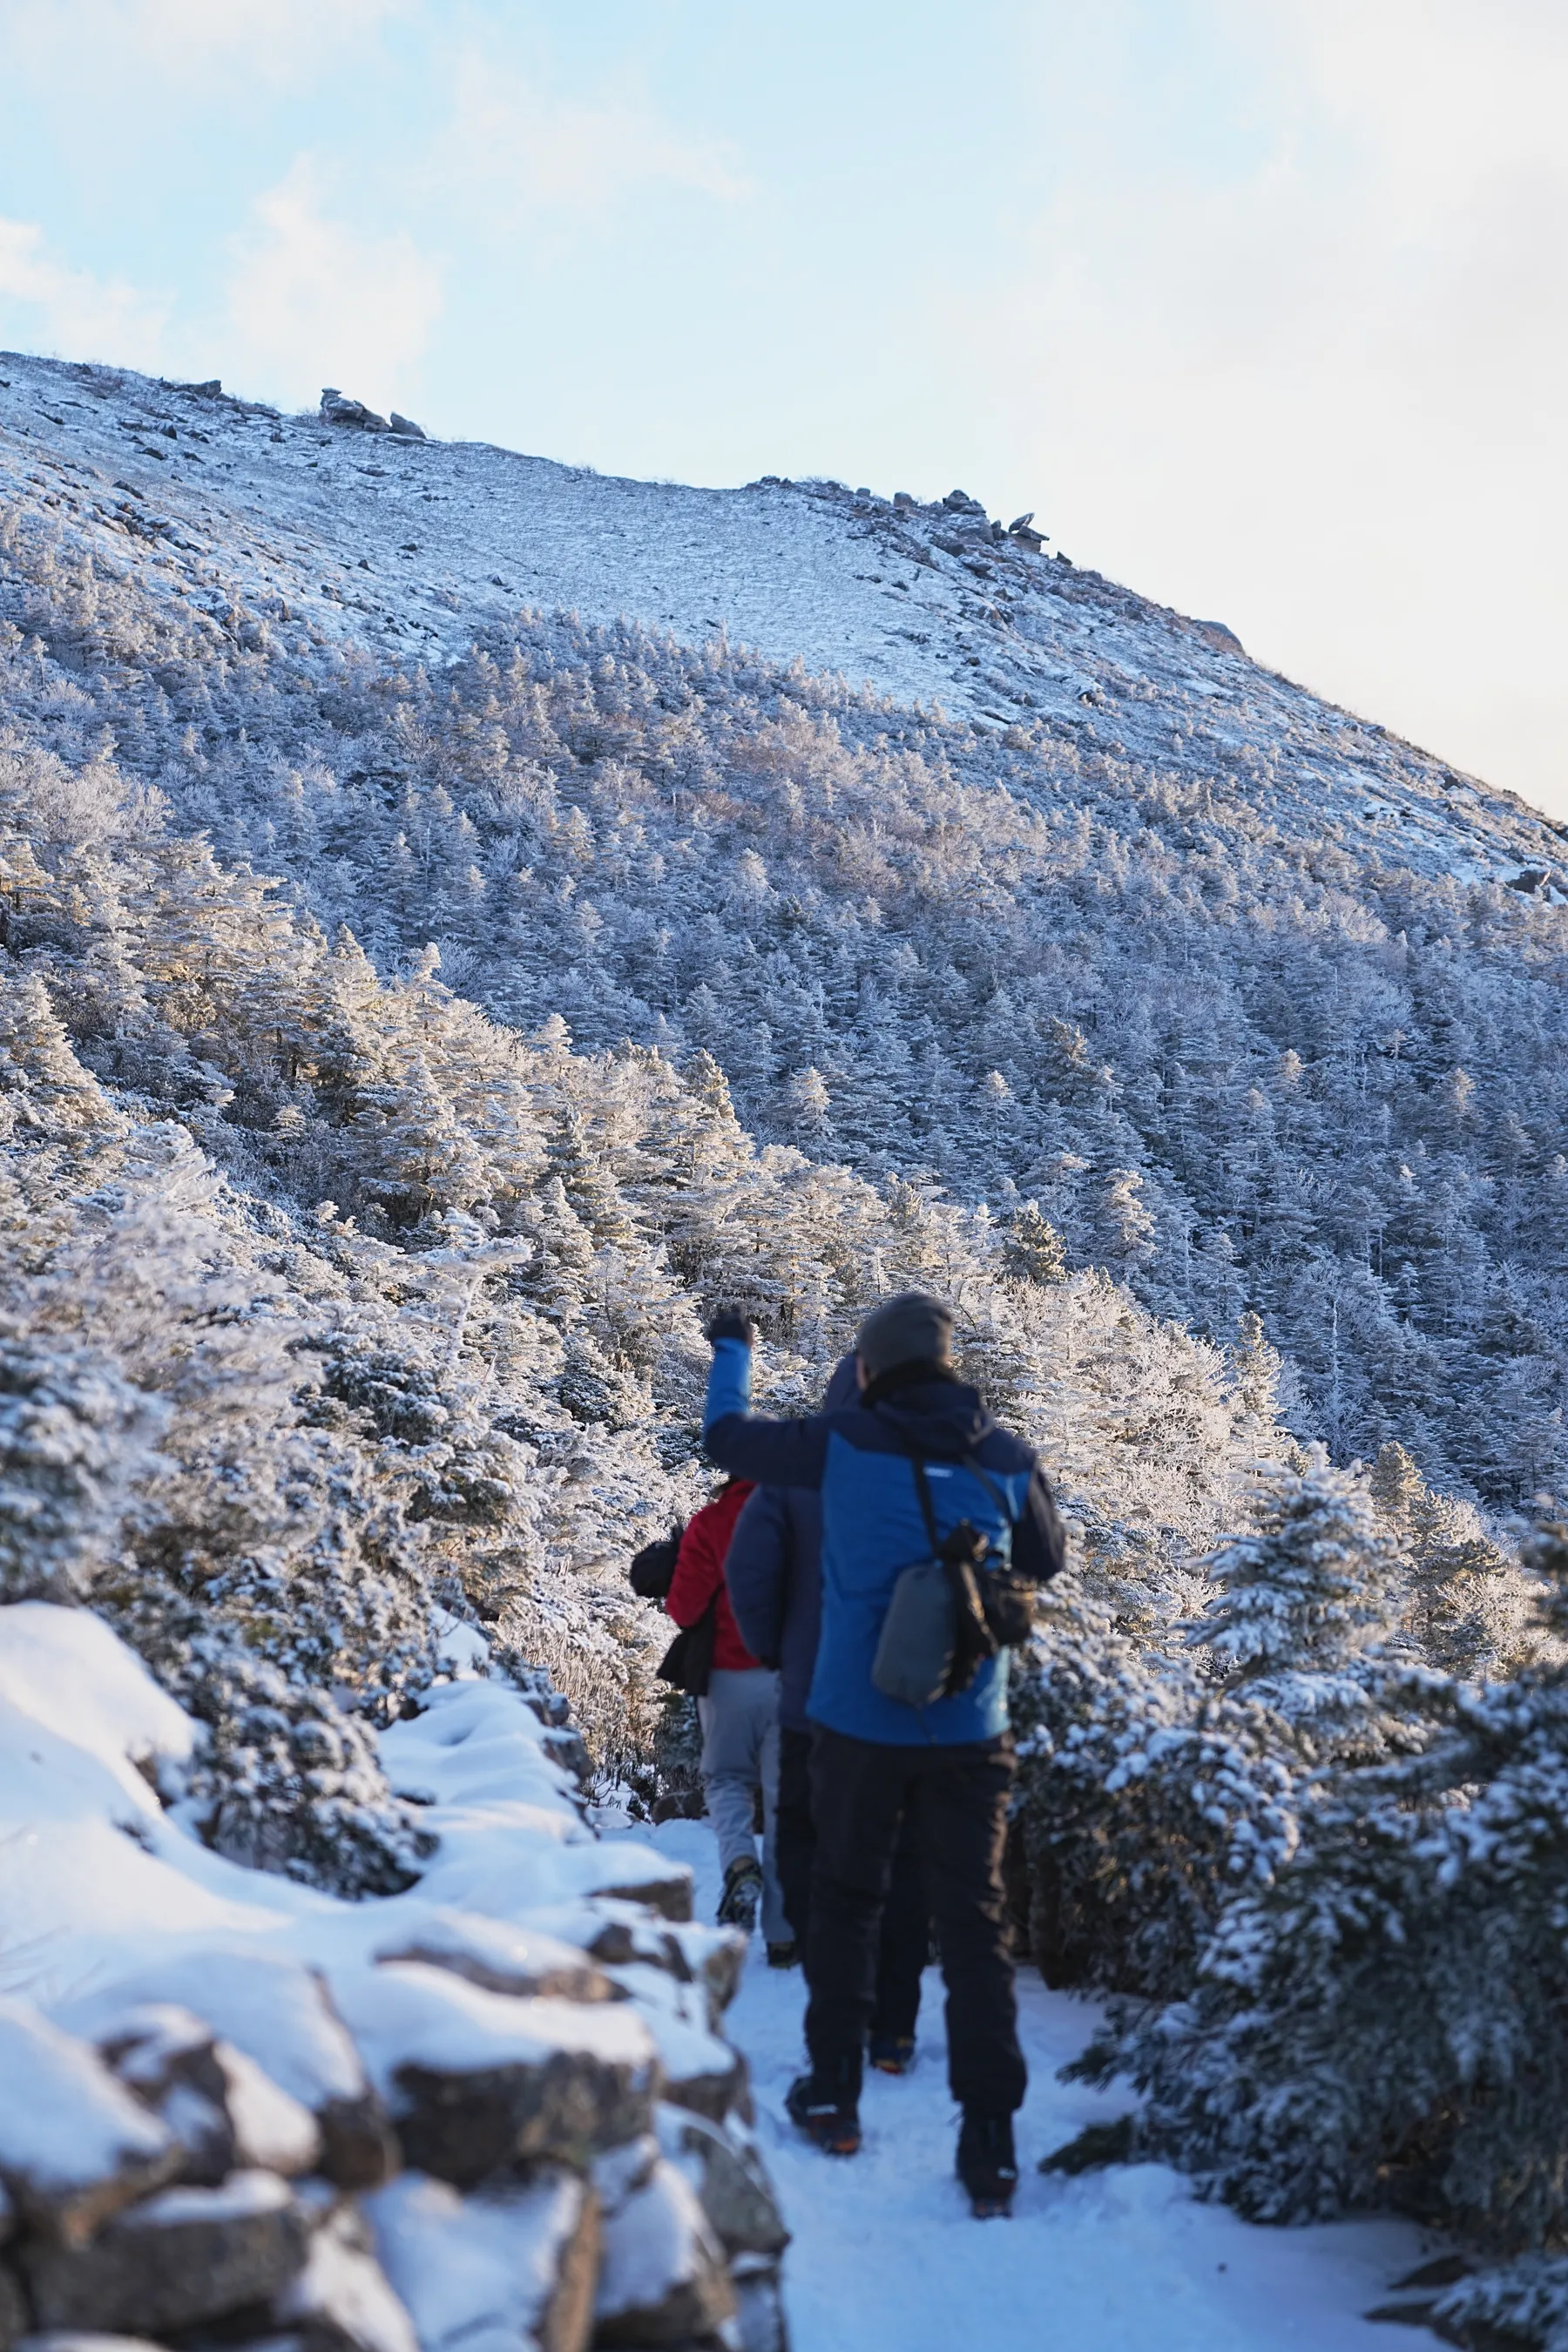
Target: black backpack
(652,1570)
(688,1661)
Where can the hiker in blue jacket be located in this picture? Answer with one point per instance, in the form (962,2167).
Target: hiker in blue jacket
(904,1471)
(774,1571)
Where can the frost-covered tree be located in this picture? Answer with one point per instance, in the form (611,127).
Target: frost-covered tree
(1305,1607)
(1145,1801)
(1384,2022)
(72,1434)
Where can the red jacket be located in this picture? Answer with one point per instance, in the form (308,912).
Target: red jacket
(700,1573)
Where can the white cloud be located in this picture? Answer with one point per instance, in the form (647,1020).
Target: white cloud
(512,148)
(183,41)
(313,300)
(1320,393)
(45,305)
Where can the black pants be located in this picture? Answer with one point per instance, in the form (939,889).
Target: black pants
(904,1940)
(861,1794)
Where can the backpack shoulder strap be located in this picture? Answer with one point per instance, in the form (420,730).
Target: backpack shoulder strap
(928,1508)
(922,1488)
(992,1488)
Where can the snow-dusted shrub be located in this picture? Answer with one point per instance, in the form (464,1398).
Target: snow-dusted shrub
(71,1434)
(1146,1797)
(1384,2022)
(1522,2307)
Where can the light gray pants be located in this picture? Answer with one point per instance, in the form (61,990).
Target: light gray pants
(739,1719)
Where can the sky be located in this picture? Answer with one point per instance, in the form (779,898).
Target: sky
(1260,305)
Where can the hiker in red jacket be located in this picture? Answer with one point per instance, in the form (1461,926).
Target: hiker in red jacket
(740,1718)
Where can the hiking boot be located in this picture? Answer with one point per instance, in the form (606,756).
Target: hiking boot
(741,1898)
(986,2164)
(743,1893)
(784,1955)
(892,2053)
(827,2114)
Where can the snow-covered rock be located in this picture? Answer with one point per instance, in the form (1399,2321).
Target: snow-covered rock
(341,2299)
(735,2192)
(513,2269)
(277,2013)
(232,2031)
(180,2259)
(664,2279)
(226,2111)
(525,1962)
(74,2145)
(477,2082)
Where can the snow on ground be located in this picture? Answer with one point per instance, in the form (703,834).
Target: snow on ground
(99,1885)
(886,2258)
(407,548)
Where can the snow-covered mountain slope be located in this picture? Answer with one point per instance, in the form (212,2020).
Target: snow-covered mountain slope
(1071,903)
(403,544)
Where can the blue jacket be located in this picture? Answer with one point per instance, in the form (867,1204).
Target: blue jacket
(858,1457)
(773,1570)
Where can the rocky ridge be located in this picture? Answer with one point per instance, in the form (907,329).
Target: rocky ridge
(340,525)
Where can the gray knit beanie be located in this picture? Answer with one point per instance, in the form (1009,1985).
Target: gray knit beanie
(913,1327)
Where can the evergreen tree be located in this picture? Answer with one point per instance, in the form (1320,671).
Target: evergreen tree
(1306,1607)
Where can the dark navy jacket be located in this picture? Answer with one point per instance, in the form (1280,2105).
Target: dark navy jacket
(773,1570)
(858,1457)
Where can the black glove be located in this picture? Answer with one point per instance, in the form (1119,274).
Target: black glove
(730,1324)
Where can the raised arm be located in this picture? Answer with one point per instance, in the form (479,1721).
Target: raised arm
(773,1452)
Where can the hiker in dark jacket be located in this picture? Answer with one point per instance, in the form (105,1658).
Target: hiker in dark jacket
(738,1713)
(774,1571)
(950,1761)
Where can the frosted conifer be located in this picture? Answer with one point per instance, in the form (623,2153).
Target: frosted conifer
(1305,1605)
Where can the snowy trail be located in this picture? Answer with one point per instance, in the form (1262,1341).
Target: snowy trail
(885,2258)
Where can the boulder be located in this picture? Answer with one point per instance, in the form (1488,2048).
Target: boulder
(509,2270)
(185,2257)
(405,428)
(341,2301)
(227,2114)
(617,1933)
(665,1890)
(524,1962)
(359,2147)
(663,2278)
(715,1957)
(700,2071)
(732,2186)
(74,2145)
(277,2014)
(480,2083)
(337,408)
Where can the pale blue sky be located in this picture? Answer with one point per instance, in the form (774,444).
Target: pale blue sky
(1261,304)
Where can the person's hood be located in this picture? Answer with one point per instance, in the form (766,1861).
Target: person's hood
(844,1387)
(943,1417)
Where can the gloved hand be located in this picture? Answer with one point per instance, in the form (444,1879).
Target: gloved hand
(730,1324)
